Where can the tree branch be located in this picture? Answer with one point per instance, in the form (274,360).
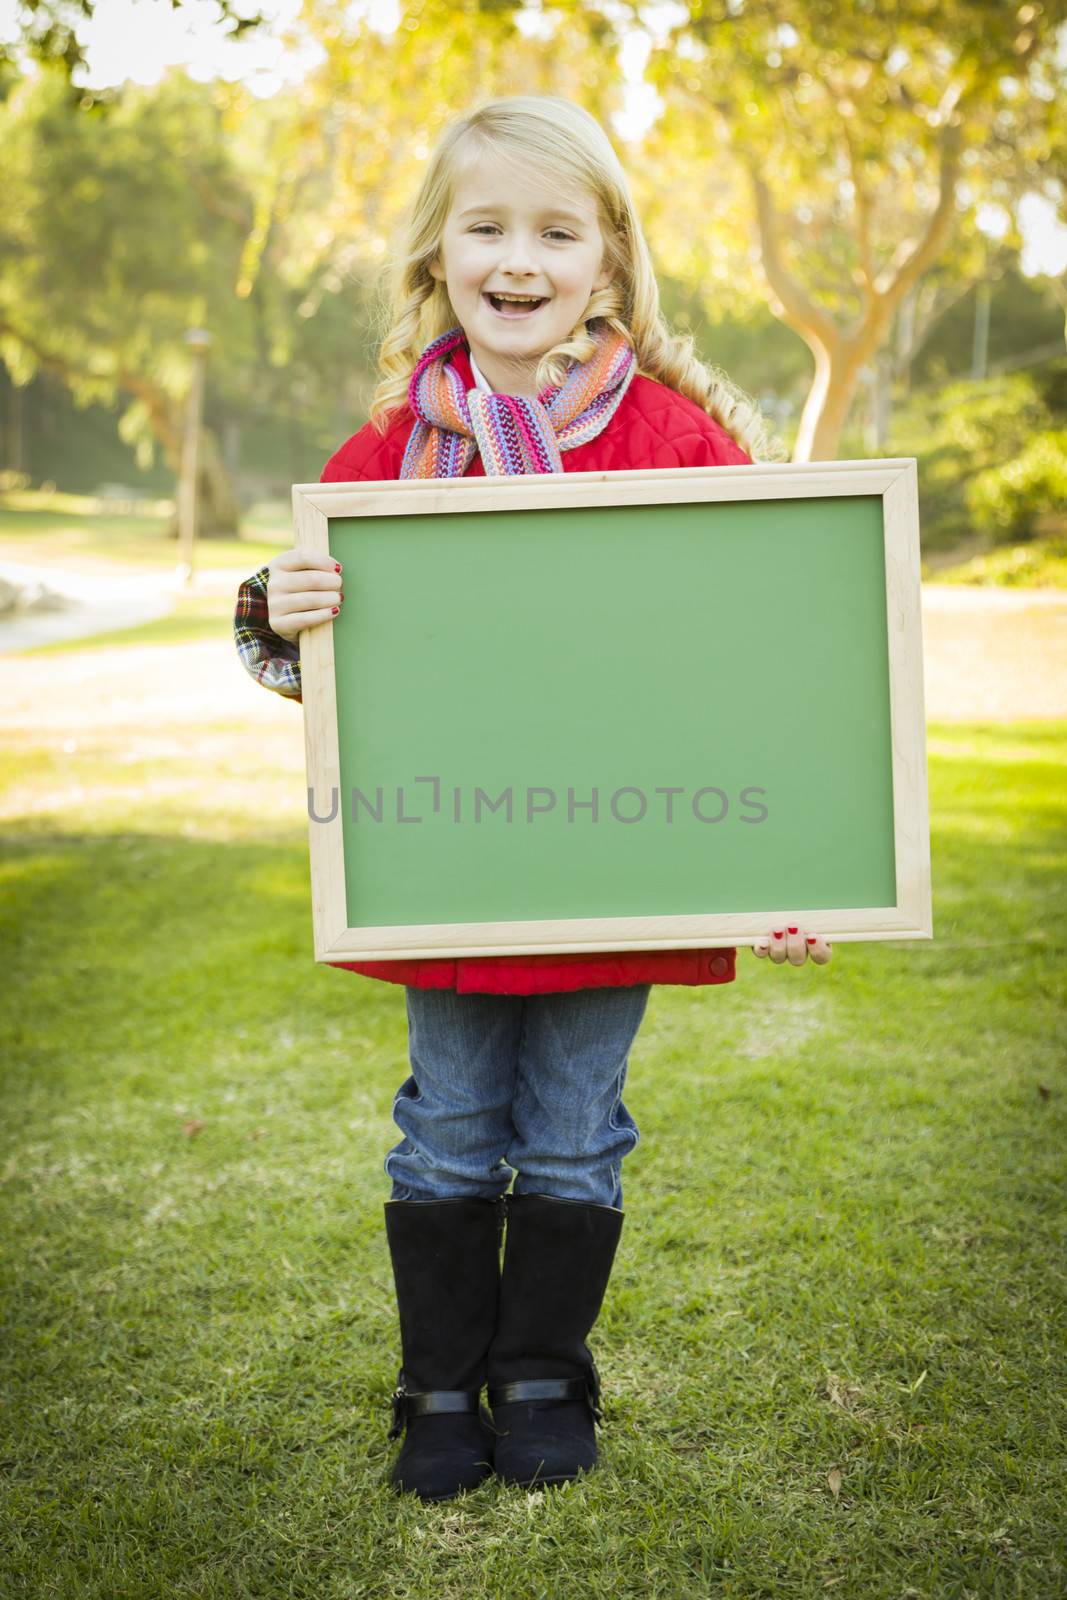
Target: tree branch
(156,401)
(939,307)
(864,209)
(895,281)
(212,201)
(798,307)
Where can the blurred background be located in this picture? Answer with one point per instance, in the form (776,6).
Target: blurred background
(862,220)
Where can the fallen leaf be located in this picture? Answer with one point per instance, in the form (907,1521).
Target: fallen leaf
(192,1127)
(840,1393)
(833,1478)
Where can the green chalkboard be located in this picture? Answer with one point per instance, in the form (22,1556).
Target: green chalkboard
(617,711)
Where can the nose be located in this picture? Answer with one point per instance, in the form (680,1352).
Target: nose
(517,257)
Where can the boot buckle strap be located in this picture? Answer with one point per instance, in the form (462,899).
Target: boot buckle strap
(409,1403)
(540,1389)
(523,1389)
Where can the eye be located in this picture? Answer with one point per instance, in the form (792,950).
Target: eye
(480,227)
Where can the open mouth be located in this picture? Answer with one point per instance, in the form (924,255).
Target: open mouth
(513,309)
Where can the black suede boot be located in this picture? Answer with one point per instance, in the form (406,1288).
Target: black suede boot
(446,1264)
(544,1389)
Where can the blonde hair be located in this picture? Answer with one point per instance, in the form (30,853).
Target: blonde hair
(559,140)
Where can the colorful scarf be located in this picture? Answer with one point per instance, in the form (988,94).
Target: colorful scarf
(513,432)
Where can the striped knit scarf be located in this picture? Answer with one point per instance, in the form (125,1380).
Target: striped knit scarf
(514,433)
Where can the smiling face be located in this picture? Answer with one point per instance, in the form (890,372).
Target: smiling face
(507,234)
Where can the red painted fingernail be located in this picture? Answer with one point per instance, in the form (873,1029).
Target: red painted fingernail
(337,566)
(792,930)
(777,933)
(336,609)
(811,938)
(342,594)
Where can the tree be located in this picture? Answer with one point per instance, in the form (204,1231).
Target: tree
(859,141)
(108,255)
(124,227)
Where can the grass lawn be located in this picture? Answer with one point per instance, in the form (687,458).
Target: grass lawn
(58,528)
(1038,564)
(834,1347)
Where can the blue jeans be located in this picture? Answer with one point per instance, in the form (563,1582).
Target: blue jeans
(523,1085)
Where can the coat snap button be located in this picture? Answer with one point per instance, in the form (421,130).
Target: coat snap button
(717,966)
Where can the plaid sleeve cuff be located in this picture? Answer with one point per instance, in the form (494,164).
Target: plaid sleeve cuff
(273,661)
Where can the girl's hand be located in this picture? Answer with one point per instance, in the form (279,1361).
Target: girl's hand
(793,944)
(303,589)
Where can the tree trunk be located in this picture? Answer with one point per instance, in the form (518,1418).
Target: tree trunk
(833,389)
(217,509)
(905,349)
(980,340)
(14,448)
(879,397)
(840,354)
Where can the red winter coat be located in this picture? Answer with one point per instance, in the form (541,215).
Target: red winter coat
(654,426)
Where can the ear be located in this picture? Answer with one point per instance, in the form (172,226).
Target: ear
(437,270)
(603,277)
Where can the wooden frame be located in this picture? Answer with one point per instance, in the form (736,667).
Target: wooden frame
(892,482)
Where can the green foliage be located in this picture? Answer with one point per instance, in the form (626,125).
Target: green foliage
(968,433)
(271,222)
(843,110)
(834,158)
(1037,564)
(1024,316)
(1005,501)
(122,230)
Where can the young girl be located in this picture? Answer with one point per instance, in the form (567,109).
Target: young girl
(525,336)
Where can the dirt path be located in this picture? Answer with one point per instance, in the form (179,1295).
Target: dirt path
(994,655)
(997,655)
(91,603)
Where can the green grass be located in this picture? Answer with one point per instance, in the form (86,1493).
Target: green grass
(53,526)
(1039,564)
(844,1244)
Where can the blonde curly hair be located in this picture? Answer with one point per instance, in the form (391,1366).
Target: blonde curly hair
(559,140)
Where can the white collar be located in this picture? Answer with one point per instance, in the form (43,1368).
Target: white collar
(479,377)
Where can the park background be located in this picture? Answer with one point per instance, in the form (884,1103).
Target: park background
(834,1344)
